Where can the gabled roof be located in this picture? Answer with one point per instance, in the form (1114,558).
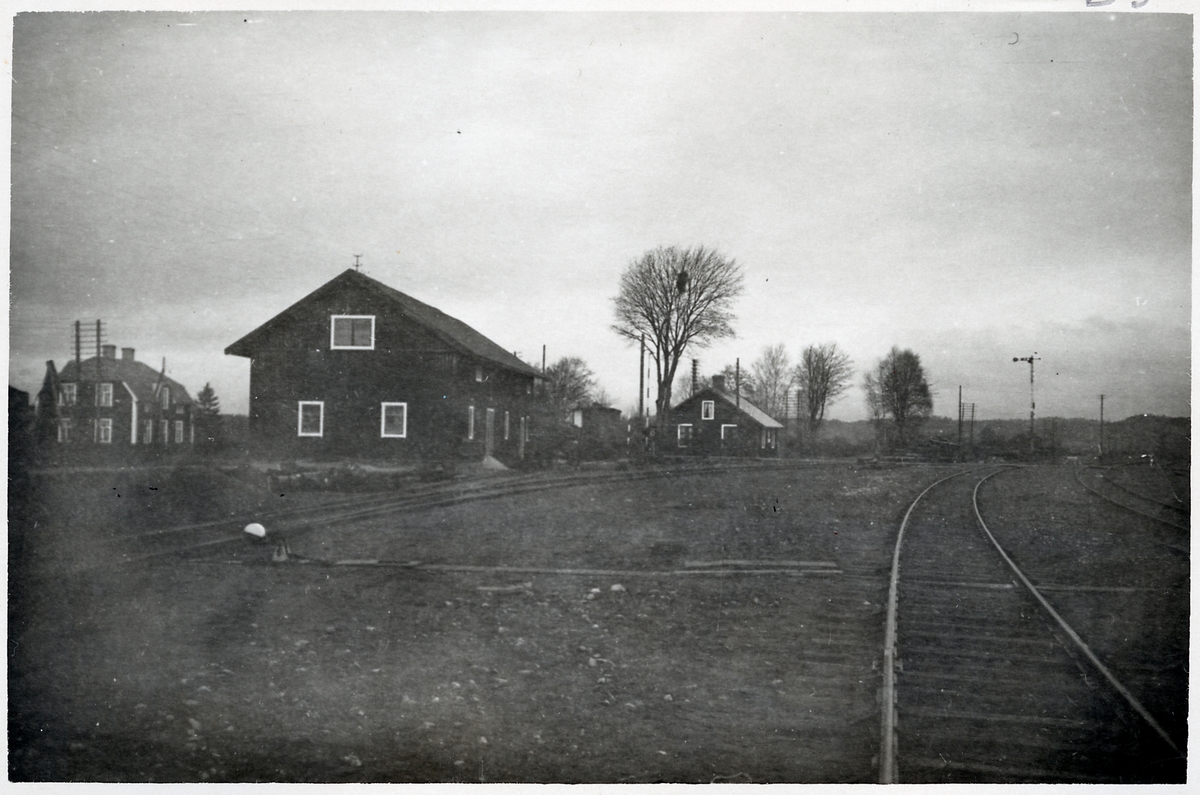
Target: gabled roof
(450,330)
(141,378)
(745,406)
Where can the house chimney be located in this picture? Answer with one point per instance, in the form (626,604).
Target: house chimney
(109,351)
(127,354)
(718,382)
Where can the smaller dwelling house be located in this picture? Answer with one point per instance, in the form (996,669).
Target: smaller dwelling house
(108,402)
(715,422)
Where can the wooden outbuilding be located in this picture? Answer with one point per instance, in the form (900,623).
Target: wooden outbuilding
(358,369)
(715,422)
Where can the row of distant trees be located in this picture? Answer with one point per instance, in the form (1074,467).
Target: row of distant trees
(678,300)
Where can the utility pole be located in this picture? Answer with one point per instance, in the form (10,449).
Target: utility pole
(1102,426)
(737,383)
(642,382)
(960,420)
(1032,404)
(96,389)
(357,257)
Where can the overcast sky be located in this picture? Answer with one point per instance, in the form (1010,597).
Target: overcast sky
(974,187)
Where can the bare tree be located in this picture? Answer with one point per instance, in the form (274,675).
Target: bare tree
(897,390)
(772,374)
(676,298)
(569,382)
(600,397)
(823,376)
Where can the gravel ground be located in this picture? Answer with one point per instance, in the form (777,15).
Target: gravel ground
(235,669)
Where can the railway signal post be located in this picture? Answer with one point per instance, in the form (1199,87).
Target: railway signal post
(1032,404)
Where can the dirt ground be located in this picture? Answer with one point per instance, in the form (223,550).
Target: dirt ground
(581,647)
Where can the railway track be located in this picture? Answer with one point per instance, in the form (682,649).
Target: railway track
(205,537)
(1098,480)
(1004,666)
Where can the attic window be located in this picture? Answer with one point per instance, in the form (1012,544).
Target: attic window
(479,374)
(67,396)
(165,397)
(352,332)
(707,410)
(104,395)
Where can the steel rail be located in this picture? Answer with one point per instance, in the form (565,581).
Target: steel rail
(1130,508)
(447,495)
(1137,705)
(887,749)
(1171,506)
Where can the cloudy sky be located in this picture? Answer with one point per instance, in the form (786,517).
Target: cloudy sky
(971,186)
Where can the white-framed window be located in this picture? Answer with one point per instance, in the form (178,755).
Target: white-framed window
(68,395)
(683,434)
(470,422)
(727,431)
(352,332)
(708,409)
(311,418)
(64,429)
(103,430)
(178,431)
(506,426)
(148,431)
(164,398)
(104,394)
(164,431)
(393,420)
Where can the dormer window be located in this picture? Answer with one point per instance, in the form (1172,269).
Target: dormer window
(352,332)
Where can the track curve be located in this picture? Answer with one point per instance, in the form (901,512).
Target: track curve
(991,684)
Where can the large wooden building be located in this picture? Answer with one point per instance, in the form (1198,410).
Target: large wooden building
(110,403)
(714,422)
(359,369)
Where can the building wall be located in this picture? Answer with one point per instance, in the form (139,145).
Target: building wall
(85,412)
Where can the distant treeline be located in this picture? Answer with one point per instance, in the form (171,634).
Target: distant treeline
(1167,438)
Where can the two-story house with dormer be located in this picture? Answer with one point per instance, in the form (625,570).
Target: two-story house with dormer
(112,403)
(359,369)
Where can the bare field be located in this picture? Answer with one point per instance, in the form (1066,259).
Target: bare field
(696,628)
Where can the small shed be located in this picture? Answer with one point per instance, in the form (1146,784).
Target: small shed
(715,422)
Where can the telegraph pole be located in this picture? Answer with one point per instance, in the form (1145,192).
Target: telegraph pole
(737,383)
(960,420)
(1102,426)
(642,382)
(1032,404)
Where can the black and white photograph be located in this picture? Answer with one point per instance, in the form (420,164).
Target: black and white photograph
(709,393)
